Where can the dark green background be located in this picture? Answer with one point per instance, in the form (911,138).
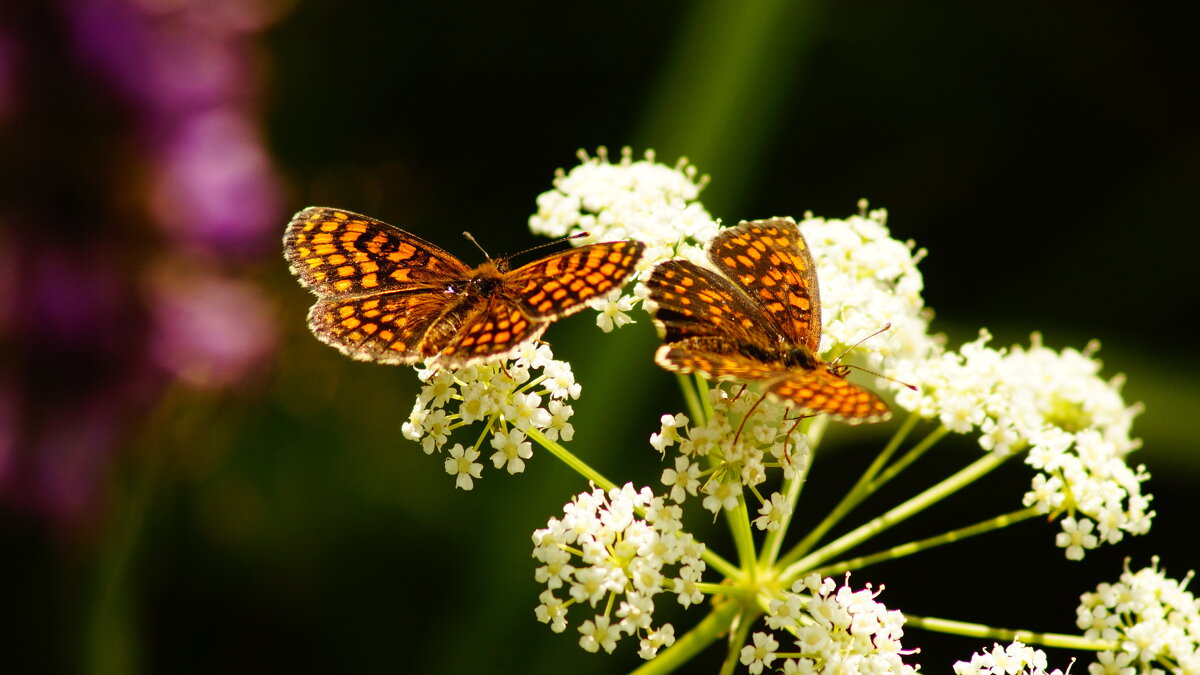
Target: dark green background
(1045,154)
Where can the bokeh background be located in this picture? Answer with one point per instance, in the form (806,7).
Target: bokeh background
(190,483)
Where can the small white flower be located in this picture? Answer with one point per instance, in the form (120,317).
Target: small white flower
(613,311)
(772,512)
(511,450)
(597,634)
(759,655)
(683,480)
(461,464)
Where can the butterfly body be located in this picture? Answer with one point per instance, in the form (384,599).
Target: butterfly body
(388,296)
(756,319)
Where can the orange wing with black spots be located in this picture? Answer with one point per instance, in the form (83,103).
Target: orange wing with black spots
(388,296)
(770,261)
(759,320)
(563,283)
(339,254)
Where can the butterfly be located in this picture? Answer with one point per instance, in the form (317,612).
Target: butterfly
(757,320)
(388,296)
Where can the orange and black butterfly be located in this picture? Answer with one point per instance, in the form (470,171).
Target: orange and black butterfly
(388,296)
(758,320)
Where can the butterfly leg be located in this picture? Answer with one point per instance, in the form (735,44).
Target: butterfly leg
(788,438)
(748,413)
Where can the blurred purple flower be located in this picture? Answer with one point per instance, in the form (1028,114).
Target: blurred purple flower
(209,331)
(91,354)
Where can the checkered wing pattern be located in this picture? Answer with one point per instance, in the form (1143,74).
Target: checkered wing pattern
(770,261)
(759,320)
(392,328)
(339,254)
(563,283)
(388,296)
(690,301)
(823,391)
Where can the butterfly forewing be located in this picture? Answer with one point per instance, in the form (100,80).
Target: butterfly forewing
(341,254)
(563,283)
(770,261)
(691,301)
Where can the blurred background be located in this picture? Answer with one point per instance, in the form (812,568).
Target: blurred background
(190,483)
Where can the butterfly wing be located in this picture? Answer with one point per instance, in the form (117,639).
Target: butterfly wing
(388,328)
(822,391)
(689,301)
(716,358)
(339,254)
(770,261)
(492,328)
(563,283)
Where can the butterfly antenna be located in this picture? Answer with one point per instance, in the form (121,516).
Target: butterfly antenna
(834,363)
(471,238)
(577,235)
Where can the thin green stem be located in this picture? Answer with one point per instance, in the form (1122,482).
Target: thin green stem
(856,495)
(899,514)
(931,542)
(1008,635)
(702,391)
(774,539)
(741,630)
(567,457)
(690,398)
(694,641)
(910,457)
(743,540)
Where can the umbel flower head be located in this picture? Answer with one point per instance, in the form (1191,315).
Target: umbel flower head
(614,552)
(834,630)
(738,446)
(510,400)
(1074,426)
(1153,620)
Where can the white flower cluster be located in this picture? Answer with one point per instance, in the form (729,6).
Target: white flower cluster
(618,556)
(507,397)
(835,629)
(1015,659)
(745,437)
(1154,620)
(644,200)
(1075,425)
(868,280)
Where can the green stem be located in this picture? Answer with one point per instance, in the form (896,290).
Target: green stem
(741,630)
(702,635)
(567,457)
(743,540)
(910,457)
(1008,635)
(899,514)
(690,397)
(855,496)
(926,544)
